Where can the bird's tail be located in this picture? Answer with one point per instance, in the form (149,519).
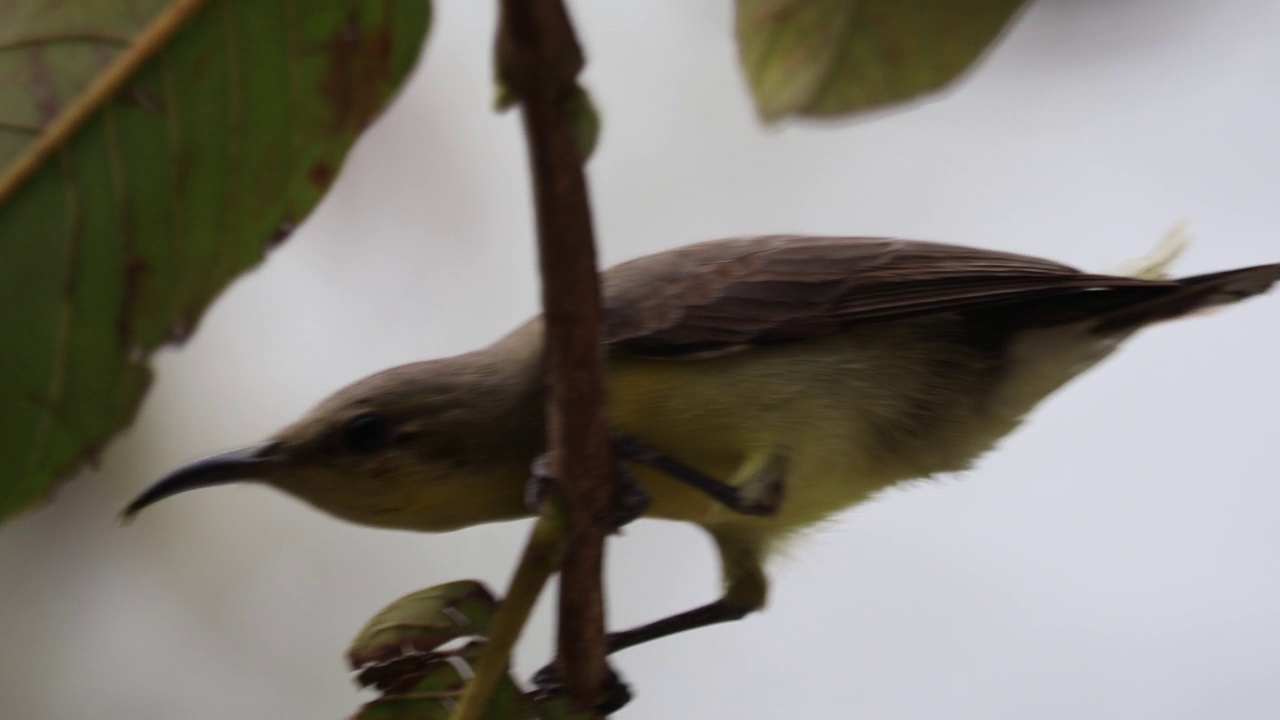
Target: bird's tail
(1189,295)
(1152,297)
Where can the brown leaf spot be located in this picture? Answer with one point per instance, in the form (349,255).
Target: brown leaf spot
(181,330)
(134,272)
(143,100)
(282,232)
(92,455)
(358,74)
(894,53)
(43,89)
(320,174)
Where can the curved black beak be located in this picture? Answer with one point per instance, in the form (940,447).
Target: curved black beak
(248,463)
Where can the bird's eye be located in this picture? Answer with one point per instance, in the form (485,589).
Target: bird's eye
(366,433)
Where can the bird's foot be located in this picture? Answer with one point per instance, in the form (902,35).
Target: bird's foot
(616,692)
(632,500)
(538,487)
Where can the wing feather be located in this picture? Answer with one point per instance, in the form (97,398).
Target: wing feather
(764,290)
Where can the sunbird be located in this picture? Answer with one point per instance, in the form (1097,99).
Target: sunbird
(755,385)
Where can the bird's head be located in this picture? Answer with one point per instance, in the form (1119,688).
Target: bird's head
(428,446)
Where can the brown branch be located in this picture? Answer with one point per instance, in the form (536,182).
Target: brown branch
(539,60)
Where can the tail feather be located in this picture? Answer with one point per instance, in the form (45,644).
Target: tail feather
(1155,264)
(1200,292)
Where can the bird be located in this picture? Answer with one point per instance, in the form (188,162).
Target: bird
(756,386)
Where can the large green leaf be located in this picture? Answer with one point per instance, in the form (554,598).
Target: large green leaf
(152,151)
(832,57)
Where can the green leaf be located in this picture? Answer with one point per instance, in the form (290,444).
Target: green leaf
(433,689)
(151,151)
(556,709)
(586,122)
(576,102)
(833,57)
(584,116)
(423,621)
(398,653)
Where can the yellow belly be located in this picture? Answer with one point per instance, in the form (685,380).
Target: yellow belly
(852,413)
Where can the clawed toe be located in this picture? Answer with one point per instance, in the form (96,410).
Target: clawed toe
(538,487)
(633,500)
(616,692)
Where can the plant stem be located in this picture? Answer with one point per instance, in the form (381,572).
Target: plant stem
(539,60)
(539,560)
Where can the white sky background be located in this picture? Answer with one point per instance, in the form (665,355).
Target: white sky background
(1116,558)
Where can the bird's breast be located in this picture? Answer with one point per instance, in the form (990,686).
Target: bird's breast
(852,413)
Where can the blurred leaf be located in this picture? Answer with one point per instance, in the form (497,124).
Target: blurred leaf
(151,152)
(586,123)
(430,690)
(586,119)
(397,652)
(507,66)
(433,690)
(556,709)
(503,99)
(408,708)
(832,57)
(423,621)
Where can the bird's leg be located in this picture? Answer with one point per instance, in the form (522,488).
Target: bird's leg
(710,614)
(722,610)
(759,494)
(745,591)
(631,505)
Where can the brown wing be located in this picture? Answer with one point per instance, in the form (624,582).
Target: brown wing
(773,289)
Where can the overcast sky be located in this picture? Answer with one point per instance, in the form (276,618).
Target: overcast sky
(1115,558)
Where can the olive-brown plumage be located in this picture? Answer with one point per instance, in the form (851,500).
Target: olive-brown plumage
(823,368)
